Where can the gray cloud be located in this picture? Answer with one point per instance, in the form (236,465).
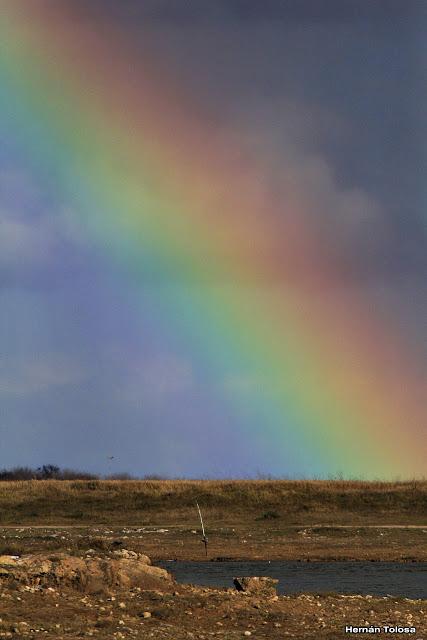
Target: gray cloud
(23,375)
(24,244)
(155,379)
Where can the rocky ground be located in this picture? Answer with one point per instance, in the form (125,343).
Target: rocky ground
(118,594)
(266,539)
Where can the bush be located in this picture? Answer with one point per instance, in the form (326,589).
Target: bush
(45,472)
(18,473)
(269,515)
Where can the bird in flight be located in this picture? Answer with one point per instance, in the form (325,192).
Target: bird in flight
(111,457)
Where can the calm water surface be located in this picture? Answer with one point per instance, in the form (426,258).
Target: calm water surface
(376,578)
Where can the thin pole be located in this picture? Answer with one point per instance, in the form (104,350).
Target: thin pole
(204,538)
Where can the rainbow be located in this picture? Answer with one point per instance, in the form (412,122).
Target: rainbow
(320,385)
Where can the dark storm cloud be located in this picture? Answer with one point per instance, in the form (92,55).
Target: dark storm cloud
(289,11)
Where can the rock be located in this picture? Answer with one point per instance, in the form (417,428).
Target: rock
(91,575)
(8,559)
(124,553)
(143,558)
(260,586)
(146,614)
(132,555)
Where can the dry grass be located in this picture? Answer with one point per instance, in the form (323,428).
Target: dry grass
(126,501)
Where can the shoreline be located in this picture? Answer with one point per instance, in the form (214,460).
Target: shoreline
(177,611)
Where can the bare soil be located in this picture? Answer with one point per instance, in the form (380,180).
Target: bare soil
(201,614)
(245,541)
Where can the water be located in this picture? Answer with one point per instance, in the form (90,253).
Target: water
(375,578)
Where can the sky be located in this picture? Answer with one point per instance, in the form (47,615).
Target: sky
(213,237)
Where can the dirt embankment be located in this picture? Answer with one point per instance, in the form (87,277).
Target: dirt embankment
(89,573)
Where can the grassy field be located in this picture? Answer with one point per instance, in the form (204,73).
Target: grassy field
(122,502)
(262,519)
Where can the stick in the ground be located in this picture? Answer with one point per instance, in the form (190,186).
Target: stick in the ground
(204,538)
